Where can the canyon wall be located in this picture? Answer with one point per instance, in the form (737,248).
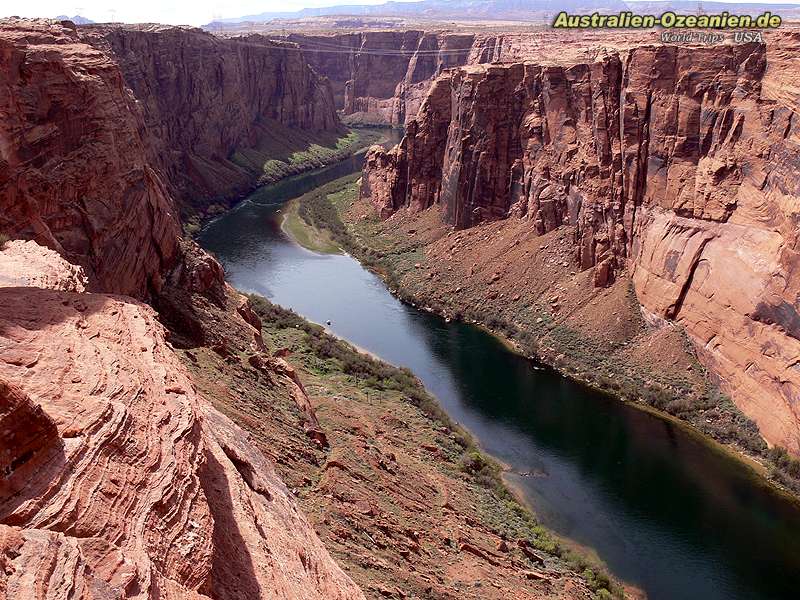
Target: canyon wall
(203,98)
(76,168)
(386,74)
(107,131)
(673,165)
(118,479)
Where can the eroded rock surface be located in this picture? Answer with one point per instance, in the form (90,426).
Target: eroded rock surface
(106,131)
(386,74)
(76,173)
(673,164)
(120,481)
(204,98)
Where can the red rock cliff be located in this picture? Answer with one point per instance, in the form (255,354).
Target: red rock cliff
(204,98)
(386,74)
(119,480)
(76,172)
(675,163)
(102,131)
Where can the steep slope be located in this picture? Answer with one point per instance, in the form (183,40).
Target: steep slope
(76,173)
(671,164)
(249,88)
(119,480)
(386,74)
(103,131)
(383,76)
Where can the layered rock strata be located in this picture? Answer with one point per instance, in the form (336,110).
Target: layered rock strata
(106,131)
(119,480)
(203,98)
(386,74)
(76,170)
(673,164)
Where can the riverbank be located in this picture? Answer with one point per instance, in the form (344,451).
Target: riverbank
(398,493)
(596,337)
(289,152)
(305,234)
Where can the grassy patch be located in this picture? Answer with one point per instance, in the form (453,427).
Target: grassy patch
(285,151)
(281,152)
(373,373)
(306,234)
(315,209)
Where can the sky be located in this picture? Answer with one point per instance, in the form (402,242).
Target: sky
(186,12)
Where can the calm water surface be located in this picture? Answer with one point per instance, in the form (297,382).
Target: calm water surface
(665,512)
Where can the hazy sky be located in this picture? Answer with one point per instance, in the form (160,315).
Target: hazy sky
(191,12)
(188,12)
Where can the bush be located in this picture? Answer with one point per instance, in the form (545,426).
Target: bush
(373,373)
(658,398)
(678,406)
(484,472)
(3,239)
(783,461)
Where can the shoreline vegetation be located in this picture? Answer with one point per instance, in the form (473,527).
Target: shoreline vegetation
(290,152)
(338,355)
(321,210)
(306,235)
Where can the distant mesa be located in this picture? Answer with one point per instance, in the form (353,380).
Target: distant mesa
(77,19)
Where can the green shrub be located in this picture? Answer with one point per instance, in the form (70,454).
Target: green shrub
(678,406)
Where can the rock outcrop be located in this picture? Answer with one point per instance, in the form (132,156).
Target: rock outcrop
(383,76)
(673,164)
(76,170)
(119,480)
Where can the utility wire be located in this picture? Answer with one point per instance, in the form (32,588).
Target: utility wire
(328,48)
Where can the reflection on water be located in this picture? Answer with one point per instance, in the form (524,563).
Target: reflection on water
(664,511)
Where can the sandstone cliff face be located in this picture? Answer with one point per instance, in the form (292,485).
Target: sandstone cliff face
(674,162)
(386,74)
(75,167)
(103,131)
(204,97)
(119,480)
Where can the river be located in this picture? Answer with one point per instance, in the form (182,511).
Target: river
(665,511)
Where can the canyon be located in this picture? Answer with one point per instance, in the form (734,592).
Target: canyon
(165,436)
(128,470)
(666,167)
(119,479)
(383,76)
(86,111)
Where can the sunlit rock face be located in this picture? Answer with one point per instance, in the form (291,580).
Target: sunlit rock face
(676,168)
(117,479)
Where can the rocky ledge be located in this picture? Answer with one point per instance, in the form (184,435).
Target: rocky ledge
(121,481)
